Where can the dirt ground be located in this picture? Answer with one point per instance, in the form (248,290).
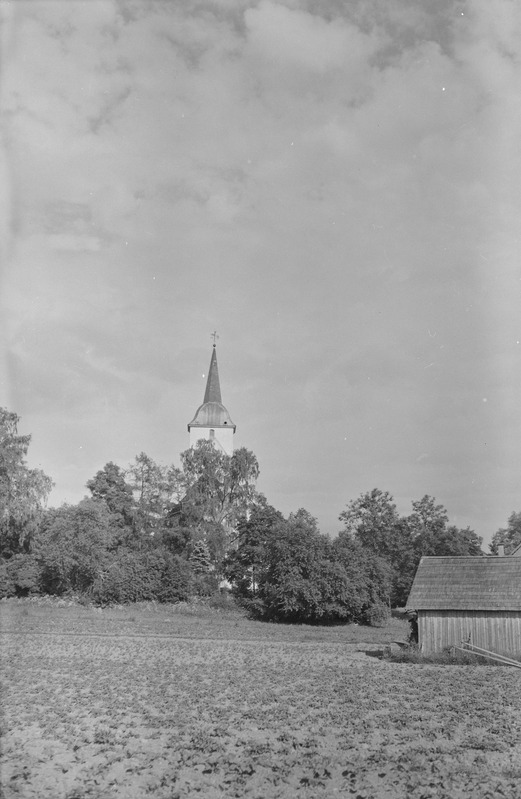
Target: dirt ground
(104,709)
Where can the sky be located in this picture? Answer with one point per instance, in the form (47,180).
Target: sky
(331,186)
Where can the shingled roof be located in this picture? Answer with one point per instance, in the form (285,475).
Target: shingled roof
(467,583)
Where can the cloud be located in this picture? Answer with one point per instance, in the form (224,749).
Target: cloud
(331,185)
(297,40)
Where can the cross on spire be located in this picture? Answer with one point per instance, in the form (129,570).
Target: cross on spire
(214,336)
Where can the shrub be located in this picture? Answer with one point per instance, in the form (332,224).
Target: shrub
(222,601)
(377,615)
(144,576)
(20,576)
(7,586)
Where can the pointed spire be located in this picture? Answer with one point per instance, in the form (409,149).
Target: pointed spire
(213,386)
(212,413)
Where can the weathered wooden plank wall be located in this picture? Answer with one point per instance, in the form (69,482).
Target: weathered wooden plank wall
(499,631)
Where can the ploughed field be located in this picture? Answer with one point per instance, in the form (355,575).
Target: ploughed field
(172,702)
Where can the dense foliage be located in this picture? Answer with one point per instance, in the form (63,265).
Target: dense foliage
(286,570)
(167,533)
(508,537)
(23,491)
(149,532)
(373,521)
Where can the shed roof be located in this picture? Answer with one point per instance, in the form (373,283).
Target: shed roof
(467,583)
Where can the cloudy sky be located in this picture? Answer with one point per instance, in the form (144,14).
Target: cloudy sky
(333,186)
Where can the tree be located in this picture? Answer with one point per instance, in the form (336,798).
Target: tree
(433,536)
(200,558)
(23,491)
(73,545)
(509,537)
(109,486)
(373,521)
(244,564)
(370,520)
(290,580)
(370,580)
(428,523)
(156,489)
(218,488)
(304,577)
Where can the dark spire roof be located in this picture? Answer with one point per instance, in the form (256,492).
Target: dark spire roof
(213,387)
(212,412)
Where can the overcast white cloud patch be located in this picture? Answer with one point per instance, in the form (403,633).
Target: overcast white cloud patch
(332,186)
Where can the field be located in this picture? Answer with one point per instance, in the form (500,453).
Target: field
(174,701)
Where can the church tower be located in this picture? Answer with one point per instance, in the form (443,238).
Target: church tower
(212,421)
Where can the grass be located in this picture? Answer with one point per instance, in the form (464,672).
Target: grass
(182,620)
(447,657)
(168,702)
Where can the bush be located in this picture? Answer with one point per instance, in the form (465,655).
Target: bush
(7,586)
(377,615)
(144,576)
(222,601)
(20,576)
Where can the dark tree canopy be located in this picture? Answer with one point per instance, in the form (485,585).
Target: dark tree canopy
(373,521)
(509,537)
(73,545)
(290,572)
(109,486)
(23,491)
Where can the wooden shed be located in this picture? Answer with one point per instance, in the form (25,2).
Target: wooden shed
(468,599)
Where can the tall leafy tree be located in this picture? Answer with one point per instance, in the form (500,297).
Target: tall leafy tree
(109,486)
(246,561)
(155,489)
(432,534)
(219,488)
(371,519)
(509,536)
(23,491)
(428,522)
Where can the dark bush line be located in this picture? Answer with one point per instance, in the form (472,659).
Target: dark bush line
(126,578)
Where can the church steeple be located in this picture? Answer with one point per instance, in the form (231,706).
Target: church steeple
(212,421)
(213,387)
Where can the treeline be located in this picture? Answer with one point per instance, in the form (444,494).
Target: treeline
(148,532)
(168,534)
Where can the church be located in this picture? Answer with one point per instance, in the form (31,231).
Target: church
(212,421)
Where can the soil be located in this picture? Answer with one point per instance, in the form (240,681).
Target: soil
(138,703)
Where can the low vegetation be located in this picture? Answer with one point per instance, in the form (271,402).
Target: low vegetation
(447,657)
